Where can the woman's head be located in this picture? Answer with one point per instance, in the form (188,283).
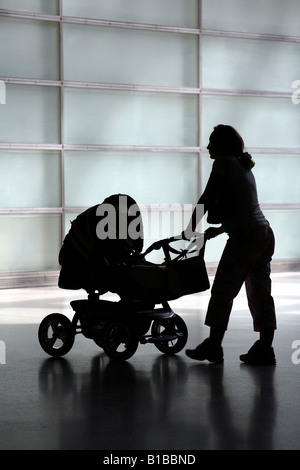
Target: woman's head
(226,141)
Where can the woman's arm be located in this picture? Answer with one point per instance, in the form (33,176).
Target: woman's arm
(206,200)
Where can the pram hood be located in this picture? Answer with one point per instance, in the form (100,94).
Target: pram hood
(114,219)
(124,216)
(110,230)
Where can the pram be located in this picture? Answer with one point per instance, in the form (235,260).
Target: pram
(118,327)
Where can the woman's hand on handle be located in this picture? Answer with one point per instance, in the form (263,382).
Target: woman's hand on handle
(213,232)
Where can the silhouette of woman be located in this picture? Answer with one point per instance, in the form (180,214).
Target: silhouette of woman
(230,199)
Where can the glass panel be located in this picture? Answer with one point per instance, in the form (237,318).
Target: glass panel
(244,64)
(262,122)
(277,178)
(31,6)
(29,179)
(29,242)
(30,115)
(112,55)
(130,118)
(39,59)
(169,12)
(268,17)
(286,227)
(150,178)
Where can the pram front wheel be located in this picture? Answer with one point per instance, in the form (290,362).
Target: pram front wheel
(173,333)
(119,341)
(56,334)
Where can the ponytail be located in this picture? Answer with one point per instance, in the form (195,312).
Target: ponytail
(246,160)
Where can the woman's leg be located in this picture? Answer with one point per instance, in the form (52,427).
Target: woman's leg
(258,288)
(261,304)
(230,276)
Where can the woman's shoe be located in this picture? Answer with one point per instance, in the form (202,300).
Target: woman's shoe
(259,354)
(206,351)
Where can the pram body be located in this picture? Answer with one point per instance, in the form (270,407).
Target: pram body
(142,314)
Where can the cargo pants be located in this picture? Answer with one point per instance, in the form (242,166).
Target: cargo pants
(246,258)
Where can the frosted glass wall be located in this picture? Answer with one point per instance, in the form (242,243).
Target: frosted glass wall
(264,122)
(29,242)
(130,56)
(152,178)
(272,17)
(102,117)
(29,49)
(113,96)
(249,64)
(182,13)
(31,115)
(30,178)
(47,7)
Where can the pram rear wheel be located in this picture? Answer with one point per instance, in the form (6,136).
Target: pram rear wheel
(173,333)
(56,334)
(119,341)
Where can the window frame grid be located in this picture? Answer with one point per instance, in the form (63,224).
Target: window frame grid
(200,91)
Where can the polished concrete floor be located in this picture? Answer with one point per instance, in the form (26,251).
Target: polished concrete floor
(151,401)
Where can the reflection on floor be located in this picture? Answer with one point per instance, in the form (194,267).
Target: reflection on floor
(151,401)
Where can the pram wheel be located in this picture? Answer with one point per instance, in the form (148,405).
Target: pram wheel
(119,341)
(173,332)
(56,334)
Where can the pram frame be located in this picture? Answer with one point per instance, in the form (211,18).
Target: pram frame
(118,334)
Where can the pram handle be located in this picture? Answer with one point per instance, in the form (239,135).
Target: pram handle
(197,239)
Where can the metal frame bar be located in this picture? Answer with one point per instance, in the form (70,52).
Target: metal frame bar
(35,210)
(125,87)
(137,148)
(200,99)
(28,16)
(240,35)
(62,119)
(147,88)
(126,25)
(150,27)
(144,207)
